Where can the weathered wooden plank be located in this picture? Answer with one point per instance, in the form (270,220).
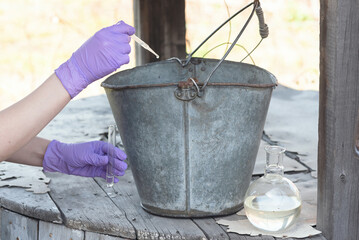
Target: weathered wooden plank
(39,206)
(235,236)
(245,237)
(58,232)
(161,24)
(79,120)
(210,228)
(97,236)
(85,206)
(16,226)
(145,229)
(316,237)
(27,203)
(267,237)
(338,162)
(257,237)
(232,236)
(149,226)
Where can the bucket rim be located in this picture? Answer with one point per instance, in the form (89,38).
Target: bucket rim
(194,60)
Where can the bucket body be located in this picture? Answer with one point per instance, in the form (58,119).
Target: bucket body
(191,158)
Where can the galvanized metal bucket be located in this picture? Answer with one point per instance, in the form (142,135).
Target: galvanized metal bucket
(191,143)
(191,156)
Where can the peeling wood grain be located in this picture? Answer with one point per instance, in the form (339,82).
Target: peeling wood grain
(97,236)
(39,206)
(84,206)
(338,164)
(149,226)
(211,229)
(235,236)
(29,177)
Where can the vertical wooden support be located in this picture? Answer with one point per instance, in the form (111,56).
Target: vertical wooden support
(338,160)
(0,223)
(56,231)
(161,24)
(16,226)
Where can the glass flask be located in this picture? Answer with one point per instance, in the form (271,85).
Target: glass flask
(272,203)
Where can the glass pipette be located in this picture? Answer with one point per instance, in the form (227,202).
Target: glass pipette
(144,45)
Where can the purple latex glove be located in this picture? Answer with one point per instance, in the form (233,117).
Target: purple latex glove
(83,159)
(99,56)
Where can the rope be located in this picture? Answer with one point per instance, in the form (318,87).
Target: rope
(263,27)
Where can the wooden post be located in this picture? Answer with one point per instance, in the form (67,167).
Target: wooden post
(338,159)
(161,24)
(16,226)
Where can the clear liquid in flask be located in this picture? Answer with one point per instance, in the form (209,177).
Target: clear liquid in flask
(270,214)
(272,202)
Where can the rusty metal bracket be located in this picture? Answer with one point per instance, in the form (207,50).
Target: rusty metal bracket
(187,90)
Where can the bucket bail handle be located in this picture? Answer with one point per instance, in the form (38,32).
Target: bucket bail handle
(263,30)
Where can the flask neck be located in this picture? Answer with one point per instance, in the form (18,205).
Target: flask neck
(274,160)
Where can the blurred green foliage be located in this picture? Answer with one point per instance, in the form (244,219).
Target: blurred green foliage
(296,13)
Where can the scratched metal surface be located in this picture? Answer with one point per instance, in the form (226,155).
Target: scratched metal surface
(191,158)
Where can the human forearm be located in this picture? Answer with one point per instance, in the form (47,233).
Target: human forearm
(100,55)
(22,121)
(32,153)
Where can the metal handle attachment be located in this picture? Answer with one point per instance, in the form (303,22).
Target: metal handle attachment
(185,90)
(263,29)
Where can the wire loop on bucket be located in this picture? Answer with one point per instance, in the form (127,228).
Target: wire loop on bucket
(231,47)
(263,29)
(195,84)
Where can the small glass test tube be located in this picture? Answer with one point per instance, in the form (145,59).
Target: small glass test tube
(110,177)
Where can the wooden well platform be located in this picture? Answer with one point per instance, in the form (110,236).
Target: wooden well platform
(79,208)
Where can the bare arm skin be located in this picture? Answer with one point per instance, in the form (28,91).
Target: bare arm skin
(21,122)
(32,153)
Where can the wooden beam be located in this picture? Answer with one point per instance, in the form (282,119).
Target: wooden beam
(17,226)
(338,160)
(48,230)
(161,24)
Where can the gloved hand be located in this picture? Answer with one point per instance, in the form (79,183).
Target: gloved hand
(83,159)
(99,56)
